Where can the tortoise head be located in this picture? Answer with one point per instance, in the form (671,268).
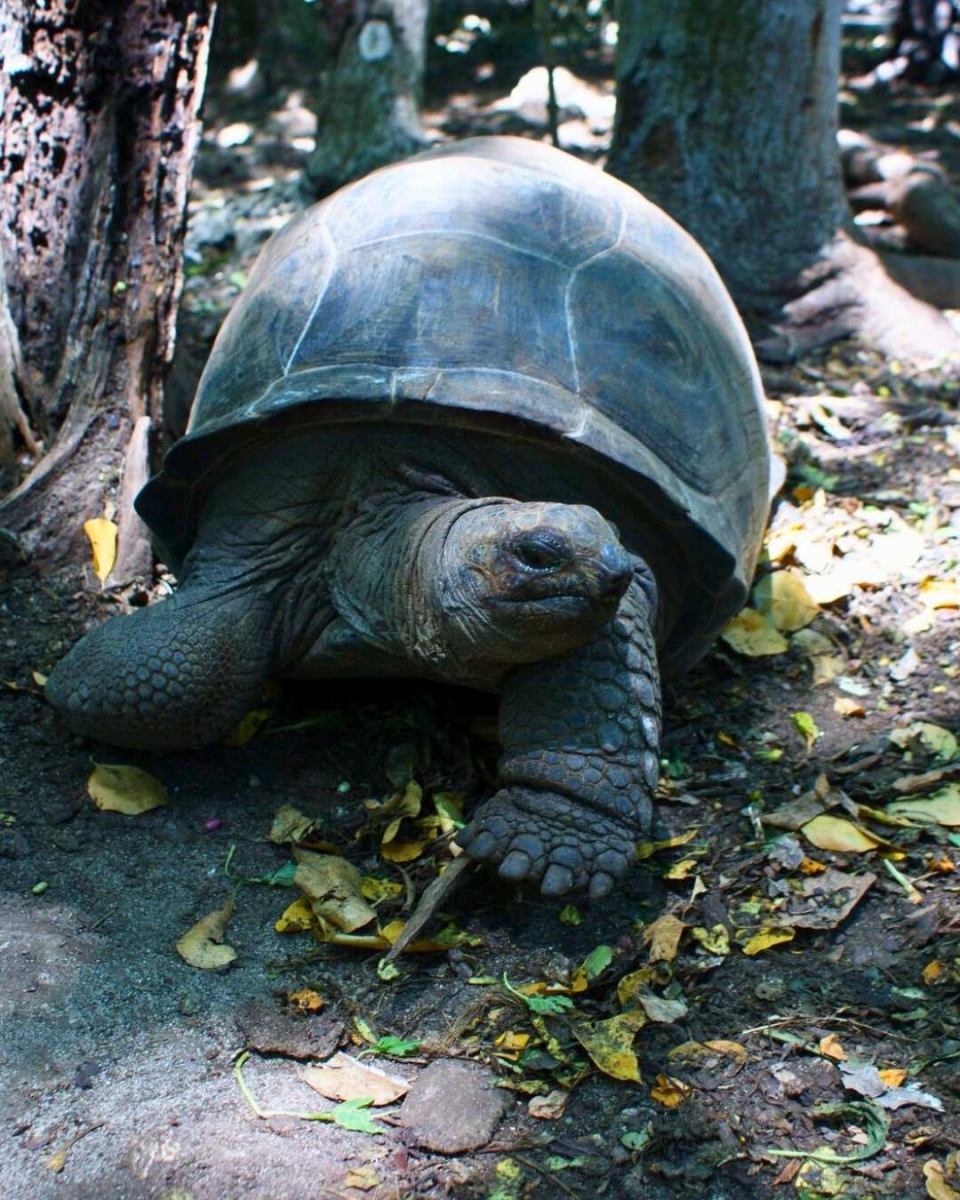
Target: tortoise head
(521,582)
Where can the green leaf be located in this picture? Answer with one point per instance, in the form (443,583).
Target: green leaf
(597,961)
(351,1115)
(392,1047)
(549,1005)
(806,726)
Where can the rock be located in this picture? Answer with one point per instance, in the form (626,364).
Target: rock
(270,1030)
(453,1107)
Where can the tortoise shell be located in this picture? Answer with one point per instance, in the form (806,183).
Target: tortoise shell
(498,280)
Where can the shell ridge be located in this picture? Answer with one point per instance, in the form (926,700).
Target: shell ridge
(467,235)
(328,263)
(571,335)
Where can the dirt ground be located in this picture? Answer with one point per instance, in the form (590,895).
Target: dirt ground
(798,1002)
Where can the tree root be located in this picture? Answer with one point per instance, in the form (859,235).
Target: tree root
(849,291)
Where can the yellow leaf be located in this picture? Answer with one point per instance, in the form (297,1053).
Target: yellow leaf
(39,678)
(332,886)
(690,1051)
(893,1076)
(932,972)
(940,593)
(512,1045)
(942,808)
(376,890)
(295,918)
(835,833)
(128,790)
(682,869)
(103,544)
(765,939)
(830,1048)
(248,727)
(663,937)
(670,1092)
(715,940)
(784,601)
(401,852)
(937,1185)
(810,866)
(202,945)
(610,1043)
(630,985)
(364,1179)
(306,1000)
(750,633)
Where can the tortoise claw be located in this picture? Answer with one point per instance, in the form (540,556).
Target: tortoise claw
(548,838)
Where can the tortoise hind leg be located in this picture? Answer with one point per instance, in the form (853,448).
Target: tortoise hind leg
(177,674)
(580,737)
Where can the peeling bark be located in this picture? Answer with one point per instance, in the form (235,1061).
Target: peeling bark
(100,129)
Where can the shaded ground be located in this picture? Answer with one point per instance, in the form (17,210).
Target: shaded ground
(117,1065)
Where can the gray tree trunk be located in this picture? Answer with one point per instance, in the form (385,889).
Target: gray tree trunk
(98,134)
(727,118)
(369,110)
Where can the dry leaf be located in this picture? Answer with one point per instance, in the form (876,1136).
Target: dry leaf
(766,938)
(750,633)
(344,1078)
(670,1092)
(114,787)
(306,1000)
(610,1043)
(784,601)
(940,593)
(848,707)
(937,1185)
(932,972)
(103,544)
(830,1047)
(550,1107)
(893,1076)
(941,808)
(203,946)
(364,1179)
(691,1051)
(663,937)
(933,738)
(835,833)
(296,917)
(333,887)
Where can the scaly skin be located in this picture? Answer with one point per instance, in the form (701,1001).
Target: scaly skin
(174,675)
(580,736)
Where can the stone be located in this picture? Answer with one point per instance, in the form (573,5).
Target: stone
(453,1107)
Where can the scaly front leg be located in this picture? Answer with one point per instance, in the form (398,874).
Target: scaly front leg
(580,737)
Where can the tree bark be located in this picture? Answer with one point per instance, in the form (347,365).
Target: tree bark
(100,130)
(369,111)
(727,118)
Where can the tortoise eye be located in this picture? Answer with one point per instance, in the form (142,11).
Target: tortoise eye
(539,552)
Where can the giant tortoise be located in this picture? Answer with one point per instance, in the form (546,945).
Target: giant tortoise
(485,416)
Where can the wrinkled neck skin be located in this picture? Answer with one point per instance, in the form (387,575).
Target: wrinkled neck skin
(397,576)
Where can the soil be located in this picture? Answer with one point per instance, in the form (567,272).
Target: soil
(118,1069)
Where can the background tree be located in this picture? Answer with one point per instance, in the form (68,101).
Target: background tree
(369,110)
(727,118)
(99,104)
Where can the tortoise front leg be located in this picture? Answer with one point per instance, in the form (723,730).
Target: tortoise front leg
(580,736)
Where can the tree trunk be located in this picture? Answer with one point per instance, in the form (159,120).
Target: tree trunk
(369,112)
(727,118)
(99,134)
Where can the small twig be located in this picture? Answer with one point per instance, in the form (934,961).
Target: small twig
(430,901)
(542,17)
(904,882)
(549,1176)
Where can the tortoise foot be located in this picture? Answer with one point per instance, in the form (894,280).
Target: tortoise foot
(547,838)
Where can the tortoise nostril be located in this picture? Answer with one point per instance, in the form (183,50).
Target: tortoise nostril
(616,569)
